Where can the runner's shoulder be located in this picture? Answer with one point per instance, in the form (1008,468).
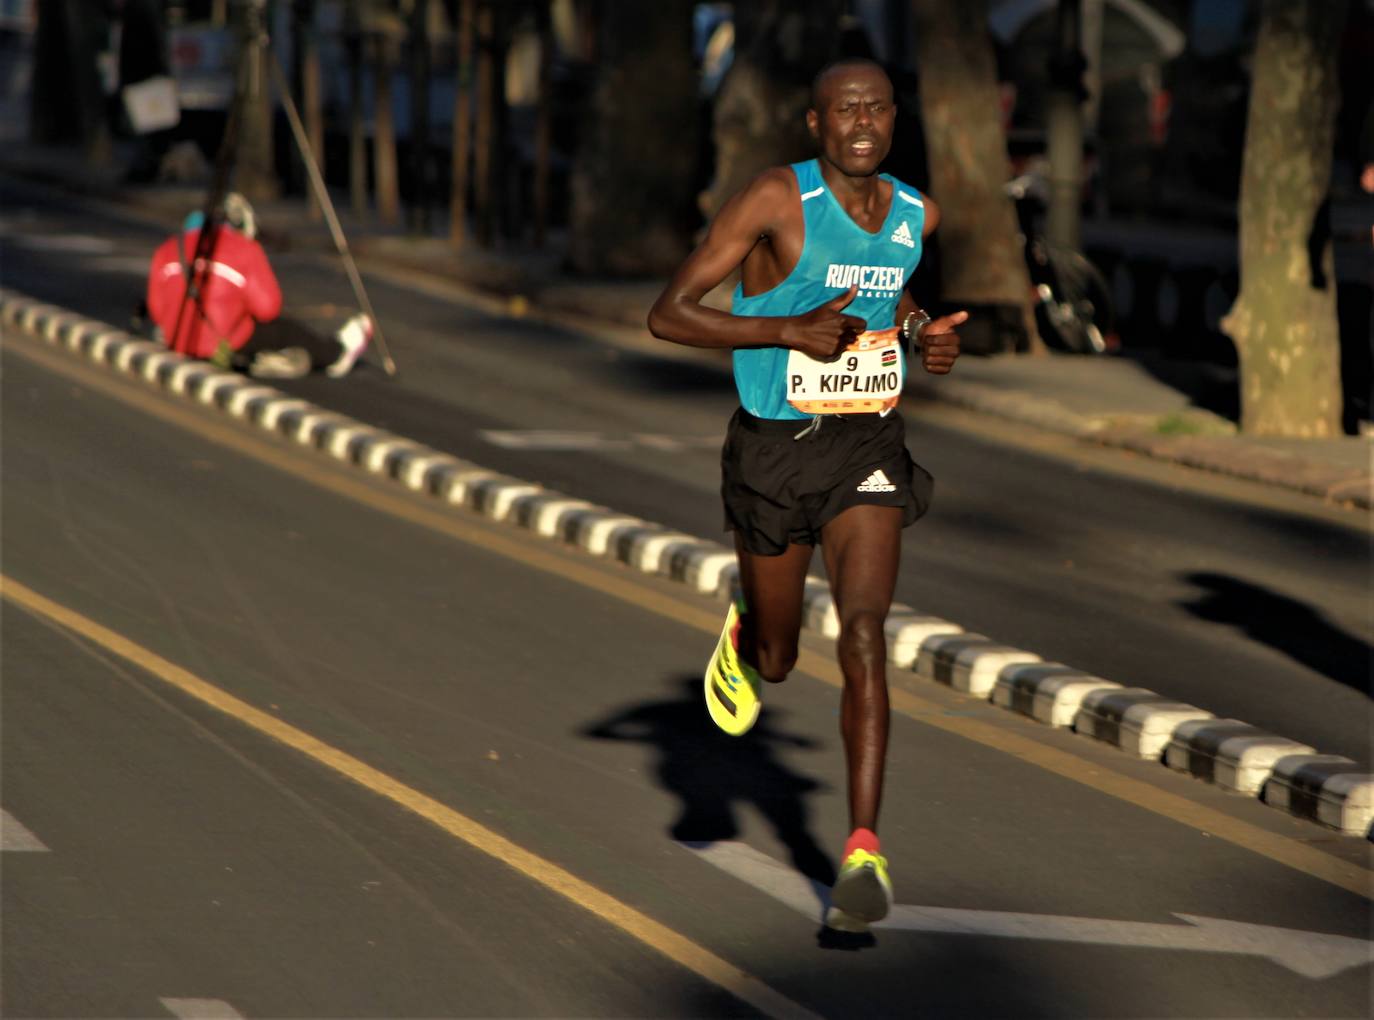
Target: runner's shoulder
(776,184)
(770,198)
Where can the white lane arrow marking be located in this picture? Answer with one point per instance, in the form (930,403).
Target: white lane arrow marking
(552,440)
(1311,954)
(201,1009)
(15,836)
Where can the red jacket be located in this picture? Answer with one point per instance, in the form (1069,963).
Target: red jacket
(239,291)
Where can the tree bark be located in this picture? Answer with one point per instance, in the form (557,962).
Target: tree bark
(758,119)
(982,259)
(67,104)
(357,135)
(460,174)
(484,144)
(384,173)
(1284,321)
(419,117)
(634,171)
(256,169)
(543,125)
(308,75)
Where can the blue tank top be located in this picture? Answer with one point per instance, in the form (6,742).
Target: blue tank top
(836,254)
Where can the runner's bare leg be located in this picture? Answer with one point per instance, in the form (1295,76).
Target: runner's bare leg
(772,587)
(862,549)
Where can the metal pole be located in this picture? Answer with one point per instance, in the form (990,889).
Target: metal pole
(322,195)
(198,270)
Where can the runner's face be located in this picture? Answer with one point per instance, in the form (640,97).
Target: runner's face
(853,119)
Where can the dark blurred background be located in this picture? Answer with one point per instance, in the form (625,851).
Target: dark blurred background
(609,131)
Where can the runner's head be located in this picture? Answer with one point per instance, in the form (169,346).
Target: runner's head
(852,114)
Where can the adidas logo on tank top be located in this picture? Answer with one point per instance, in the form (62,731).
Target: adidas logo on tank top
(902,235)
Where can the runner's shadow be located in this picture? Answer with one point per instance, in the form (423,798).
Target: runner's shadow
(710,773)
(1288,625)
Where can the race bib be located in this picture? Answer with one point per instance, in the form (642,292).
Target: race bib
(865,377)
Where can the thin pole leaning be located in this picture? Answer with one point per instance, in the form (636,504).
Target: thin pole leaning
(322,196)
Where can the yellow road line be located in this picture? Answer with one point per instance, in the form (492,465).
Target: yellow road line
(675,947)
(623,587)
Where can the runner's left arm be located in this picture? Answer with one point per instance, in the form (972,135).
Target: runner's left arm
(937,339)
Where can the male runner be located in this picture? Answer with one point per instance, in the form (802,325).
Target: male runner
(816,452)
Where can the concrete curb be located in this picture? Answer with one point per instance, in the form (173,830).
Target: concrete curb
(1323,788)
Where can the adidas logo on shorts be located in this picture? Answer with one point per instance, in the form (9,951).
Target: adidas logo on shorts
(876,482)
(902,235)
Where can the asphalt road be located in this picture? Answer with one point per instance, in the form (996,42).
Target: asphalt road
(296,744)
(1250,603)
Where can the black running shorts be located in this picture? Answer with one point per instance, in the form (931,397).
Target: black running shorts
(781,490)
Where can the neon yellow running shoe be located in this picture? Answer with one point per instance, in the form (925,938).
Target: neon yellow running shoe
(732,686)
(863,891)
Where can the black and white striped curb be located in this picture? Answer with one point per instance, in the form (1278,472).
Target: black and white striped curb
(1324,788)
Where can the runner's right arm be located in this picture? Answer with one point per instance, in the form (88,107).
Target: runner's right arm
(753,215)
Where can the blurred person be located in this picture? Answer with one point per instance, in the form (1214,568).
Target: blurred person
(235,320)
(816,453)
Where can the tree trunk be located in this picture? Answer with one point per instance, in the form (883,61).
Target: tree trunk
(459,175)
(256,169)
(308,74)
(384,130)
(758,119)
(484,159)
(1284,320)
(543,125)
(67,105)
(635,168)
(419,117)
(357,134)
(982,260)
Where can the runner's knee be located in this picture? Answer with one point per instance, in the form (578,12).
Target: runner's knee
(861,635)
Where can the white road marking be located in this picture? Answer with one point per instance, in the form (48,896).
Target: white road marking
(201,1009)
(14,836)
(1312,954)
(551,439)
(545,439)
(77,244)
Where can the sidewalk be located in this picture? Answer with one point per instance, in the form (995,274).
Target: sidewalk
(1133,402)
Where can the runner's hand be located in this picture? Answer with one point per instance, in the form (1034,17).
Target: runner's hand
(826,330)
(940,344)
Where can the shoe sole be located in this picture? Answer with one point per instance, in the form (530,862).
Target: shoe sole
(724,706)
(861,896)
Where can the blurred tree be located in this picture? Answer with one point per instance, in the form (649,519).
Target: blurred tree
(255,163)
(306,84)
(982,260)
(758,119)
(461,175)
(387,30)
(488,143)
(67,105)
(634,172)
(1284,320)
(420,161)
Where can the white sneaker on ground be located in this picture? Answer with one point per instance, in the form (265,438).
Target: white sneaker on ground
(354,335)
(287,363)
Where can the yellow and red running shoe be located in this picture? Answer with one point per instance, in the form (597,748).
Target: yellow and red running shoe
(863,892)
(732,686)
